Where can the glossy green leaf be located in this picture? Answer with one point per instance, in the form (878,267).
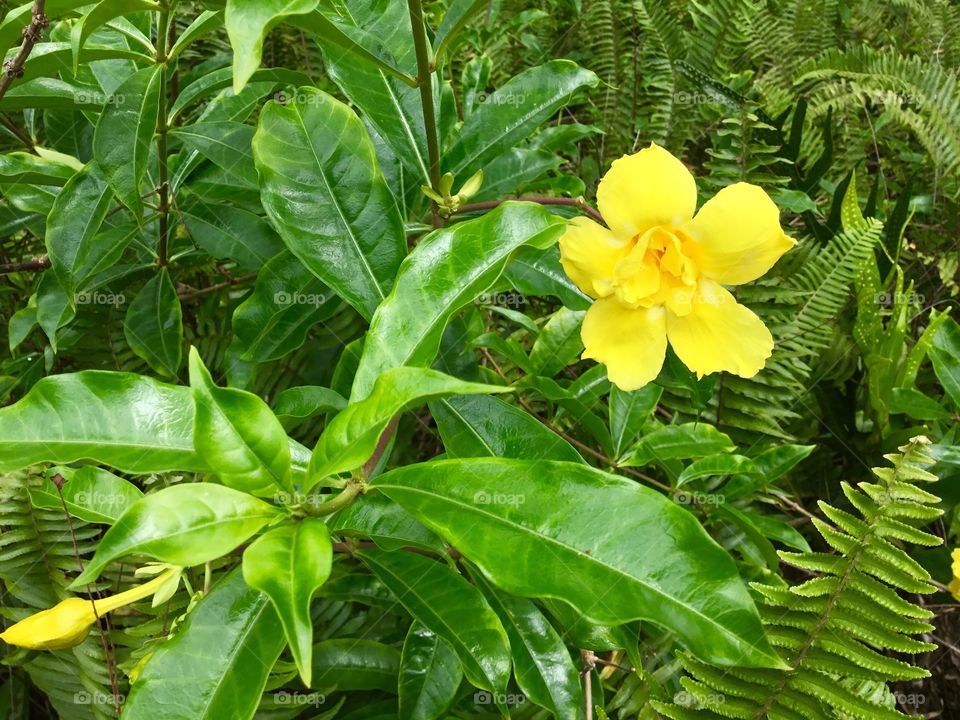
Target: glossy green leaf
(430,675)
(74,220)
(54,309)
(458,14)
(532,528)
(447,270)
(90,493)
(248,22)
(945,356)
(224,231)
(689,440)
(23,167)
(715,466)
(629,411)
(226,144)
(916,405)
(186,525)
(351,437)
(126,421)
(238,435)
(443,601)
(153,324)
(514,111)
(307,400)
(541,662)
(355,664)
(558,344)
(535,271)
(217,80)
(102,13)
(777,461)
(482,426)
(121,143)
(288,564)
(217,664)
(205,23)
(324,191)
(390,526)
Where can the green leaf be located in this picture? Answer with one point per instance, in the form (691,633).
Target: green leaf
(514,111)
(351,437)
(224,231)
(717,465)
(564,530)
(355,664)
(456,17)
(217,664)
(288,564)
(483,426)
(443,601)
(629,411)
(226,144)
(184,525)
(102,13)
(121,143)
(917,405)
(689,440)
(286,302)
(945,356)
(90,493)
(541,662)
(386,523)
(206,22)
(448,269)
(23,167)
(126,421)
(238,435)
(307,400)
(74,220)
(247,23)
(153,325)
(217,80)
(430,674)
(535,271)
(777,461)
(324,191)
(558,344)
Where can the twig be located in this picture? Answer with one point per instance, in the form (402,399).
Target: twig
(32,33)
(578,202)
(190,293)
(42,262)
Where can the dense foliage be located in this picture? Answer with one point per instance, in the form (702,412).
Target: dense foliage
(291,351)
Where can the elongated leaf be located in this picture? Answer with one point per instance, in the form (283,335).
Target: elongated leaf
(324,191)
(217,665)
(386,523)
(205,23)
(777,461)
(90,493)
(153,325)
(717,465)
(628,412)
(945,356)
(454,20)
(430,675)
(355,664)
(121,143)
(123,420)
(289,563)
(226,144)
(447,270)
(351,437)
(248,22)
(514,111)
(558,344)
(102,13)
(23,167)
(183,524)
(228,232)
(541,662)
(239,435)
(483,426)
(677,441)
(217,80)
(448,605)
(532,527)
(308,400)
(286,302)
(73,222)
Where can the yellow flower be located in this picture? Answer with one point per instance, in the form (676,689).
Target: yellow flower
(658,272)
(954,586)
(68,622)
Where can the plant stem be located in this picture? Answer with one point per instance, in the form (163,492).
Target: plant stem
(31,35)
(346,496)
(578,202)
(425,83)
(163,33)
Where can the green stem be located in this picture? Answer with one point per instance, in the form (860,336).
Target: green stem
(346,496)
(163,32)
(425,82)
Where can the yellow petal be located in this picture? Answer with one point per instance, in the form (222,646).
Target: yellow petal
(645,189)
(736,236)
(588,253)
(719,334)
(64,625)
(631,343)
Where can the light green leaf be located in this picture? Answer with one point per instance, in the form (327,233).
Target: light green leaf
(717,465)
(532,527)
(324,191)
(185,525)
(102,13)
(430,674)
(945,356)
(558,344)
(90,493)
(307,400)
(289,563)
(351,437)
(447,270)
(153,324)
(689,440)
(629,411)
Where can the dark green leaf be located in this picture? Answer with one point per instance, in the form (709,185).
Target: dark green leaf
(430,675)
(153,325)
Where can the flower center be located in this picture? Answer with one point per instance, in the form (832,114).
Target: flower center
(657,270)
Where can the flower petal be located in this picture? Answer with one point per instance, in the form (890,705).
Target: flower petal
(631,343)
(719,334)
(645,189)
(737,235)
(588,253)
